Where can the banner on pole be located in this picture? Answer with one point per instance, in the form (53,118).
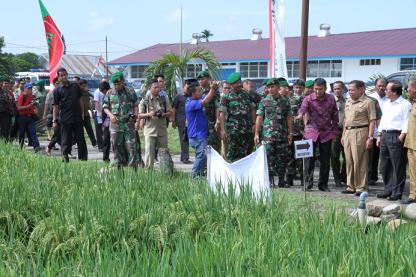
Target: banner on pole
(277,45)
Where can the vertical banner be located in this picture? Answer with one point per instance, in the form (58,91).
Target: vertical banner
(277,41)
(55,41)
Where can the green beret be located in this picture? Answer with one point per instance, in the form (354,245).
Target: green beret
(203,74)
(234,77)
(115,77)
(283,83)
(40,83)
(265,82)
(308,84)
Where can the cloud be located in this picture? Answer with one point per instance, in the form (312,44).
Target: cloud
(175,15)
(98,22)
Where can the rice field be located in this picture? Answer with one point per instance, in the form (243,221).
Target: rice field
(66,220)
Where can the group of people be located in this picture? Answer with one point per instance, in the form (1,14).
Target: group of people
(355,134)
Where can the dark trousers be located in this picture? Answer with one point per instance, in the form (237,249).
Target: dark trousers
(183,140)
(5,125)
(393,163)
(373,162)
(56,137)
(106,143)
(99,133)
(88,127)
(339,170)
(69,133)
(27,126)
(324,161)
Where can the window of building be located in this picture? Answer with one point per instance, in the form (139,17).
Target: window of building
(324,68)
(227,64)
(192,70)
(408,63)
(254,70)
(137,71)
(370,62)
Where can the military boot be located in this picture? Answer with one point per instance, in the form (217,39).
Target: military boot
(282,183)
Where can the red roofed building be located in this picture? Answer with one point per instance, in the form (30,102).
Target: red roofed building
(334,57)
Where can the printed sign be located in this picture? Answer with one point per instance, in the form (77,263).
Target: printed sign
(303,149)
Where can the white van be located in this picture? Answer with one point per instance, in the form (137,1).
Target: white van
(35,76)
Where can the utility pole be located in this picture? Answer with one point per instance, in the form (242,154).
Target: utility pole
(304,40)
(106,58)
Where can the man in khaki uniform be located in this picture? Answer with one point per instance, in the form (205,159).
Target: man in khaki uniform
(357,138)
(410,143)
(154,111)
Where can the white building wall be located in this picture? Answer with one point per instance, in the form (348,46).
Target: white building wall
(351,69)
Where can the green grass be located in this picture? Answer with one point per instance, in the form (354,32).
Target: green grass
(66,219)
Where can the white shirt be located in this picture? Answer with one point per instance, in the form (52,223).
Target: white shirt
(395,115)
(99,97)
(381,101)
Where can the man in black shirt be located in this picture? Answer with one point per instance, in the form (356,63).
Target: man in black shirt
(68,105)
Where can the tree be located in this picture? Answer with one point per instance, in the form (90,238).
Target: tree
(5,63)
(174,66)
(206,34)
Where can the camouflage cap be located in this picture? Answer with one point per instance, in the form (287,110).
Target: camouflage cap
(203,74)
(309,84)
(234,77)
(115,77)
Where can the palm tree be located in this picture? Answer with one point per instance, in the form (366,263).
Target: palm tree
(206,34)
(174,66)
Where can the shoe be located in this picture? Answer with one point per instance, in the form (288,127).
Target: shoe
(282,184)
(325,189)
(309,187)
(186,162)
(408,201)
(358,193)
(394,198)
(347,192)
(383,195)
(289,181)
(338,184)
(37,149)
(271,181)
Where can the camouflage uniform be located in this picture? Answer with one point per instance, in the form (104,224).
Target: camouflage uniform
(238,125)
(123,136)
(256,98)
(295,166)
(210,111)
(275,111)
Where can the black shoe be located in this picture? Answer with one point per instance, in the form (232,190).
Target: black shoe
(347,192)
(394,198)
(408,201)
(271,181)
(186,162)
(383,195)
(289,181)
(338,184)
(324,189)
(282,184)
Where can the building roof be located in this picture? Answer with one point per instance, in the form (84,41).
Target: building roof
(394,43)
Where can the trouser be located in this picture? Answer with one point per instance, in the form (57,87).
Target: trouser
(294,166)
(99,132)
(14,132)
(56,137)
(339,170)
(214,139)
(200,145)
(88,127)
(393,163)
(277,157)
(5,125)
(150,146)
(183,140)
(238,146)
(373,162)
(411,155)
(106,143)
(71,132)
(324,161)
(27,126)
(125,148)
(356,156)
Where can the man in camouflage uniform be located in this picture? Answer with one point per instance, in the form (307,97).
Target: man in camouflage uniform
(237,119)
(256,98)
(120,105)
(274,120)
(295,166)
(6,111)
(211,110)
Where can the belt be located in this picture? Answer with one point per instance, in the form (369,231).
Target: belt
(392,131)
(355,127)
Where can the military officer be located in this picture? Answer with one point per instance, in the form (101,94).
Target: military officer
(237,119)
(211,110)
(120,105)
(274,120)
(6,111)
(357,138)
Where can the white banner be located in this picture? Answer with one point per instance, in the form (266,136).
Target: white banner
(250,171)
(278,66)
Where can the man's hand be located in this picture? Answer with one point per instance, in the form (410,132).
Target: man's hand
(223,135)
(174,125)
(369,143)
(54,124)
(151,114)
(298,117)
(402,137)
(113,119)
(256,139)
(290,139)
(214,85)
(378,141)
(137,125)
(217,126)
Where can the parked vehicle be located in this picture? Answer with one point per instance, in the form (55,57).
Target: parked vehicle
(403,76)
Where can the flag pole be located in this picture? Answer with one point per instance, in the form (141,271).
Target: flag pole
(271,40)
(106,58)
(304,39)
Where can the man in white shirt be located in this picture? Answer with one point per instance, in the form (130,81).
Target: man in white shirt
(379,96)
(391,135)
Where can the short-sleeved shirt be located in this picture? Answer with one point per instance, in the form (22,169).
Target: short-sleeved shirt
(359,112)
(196,119)
(238,107)
(25,100)
(274,110)
(211,108)
(179,105)
(67,97)
(99,97)
(155,126)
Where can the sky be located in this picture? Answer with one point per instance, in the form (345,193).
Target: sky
(133,25)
